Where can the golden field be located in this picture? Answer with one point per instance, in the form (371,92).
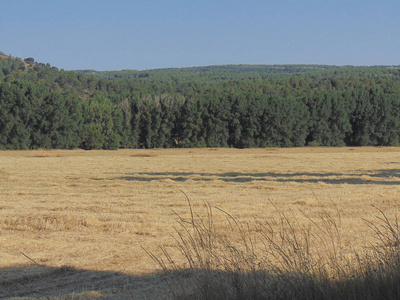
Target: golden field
(95,210)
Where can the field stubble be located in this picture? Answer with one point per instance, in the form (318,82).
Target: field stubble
(95,210)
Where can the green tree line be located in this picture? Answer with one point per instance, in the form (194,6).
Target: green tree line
(219,106)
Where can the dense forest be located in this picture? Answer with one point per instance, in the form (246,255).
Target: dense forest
(241,106)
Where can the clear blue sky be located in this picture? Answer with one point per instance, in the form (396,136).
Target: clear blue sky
(130,34)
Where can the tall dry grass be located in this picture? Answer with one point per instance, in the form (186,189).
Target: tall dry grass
(280,259)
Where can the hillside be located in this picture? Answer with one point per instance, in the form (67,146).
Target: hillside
(241,106)
(229,71)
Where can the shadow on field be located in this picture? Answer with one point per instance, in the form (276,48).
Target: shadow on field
(69,283)
(38,282)
(387,173)
(363,177)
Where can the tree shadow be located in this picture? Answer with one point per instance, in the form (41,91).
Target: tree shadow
(38,282)
(43,282)
(356,178)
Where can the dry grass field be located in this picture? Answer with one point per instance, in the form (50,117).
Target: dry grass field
(91,212)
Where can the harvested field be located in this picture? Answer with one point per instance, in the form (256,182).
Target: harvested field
(91,212)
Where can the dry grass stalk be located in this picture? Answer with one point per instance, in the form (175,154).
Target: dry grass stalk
(292,264)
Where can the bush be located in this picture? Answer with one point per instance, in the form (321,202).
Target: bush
(313,144)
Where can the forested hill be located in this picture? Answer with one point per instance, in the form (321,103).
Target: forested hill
(216,72)
(42,106)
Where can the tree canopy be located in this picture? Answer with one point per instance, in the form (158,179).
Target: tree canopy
(241,106)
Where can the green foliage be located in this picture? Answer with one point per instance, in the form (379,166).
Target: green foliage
(219,106)
(99,130)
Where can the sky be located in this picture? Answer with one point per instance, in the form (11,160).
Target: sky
(148,34)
